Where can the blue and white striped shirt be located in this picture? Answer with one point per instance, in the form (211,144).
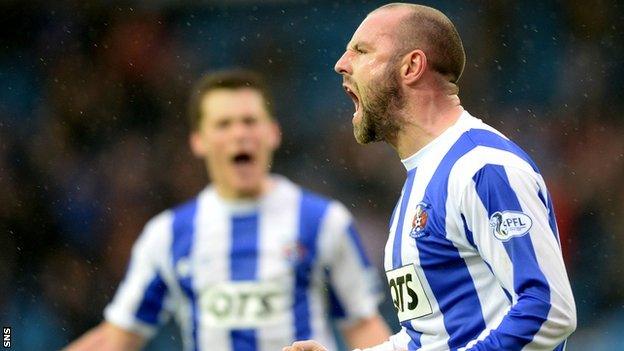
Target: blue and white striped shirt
(473,257)
(247,276)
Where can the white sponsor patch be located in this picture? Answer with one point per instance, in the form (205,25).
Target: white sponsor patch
(245,304)
(408,295)
(508,224)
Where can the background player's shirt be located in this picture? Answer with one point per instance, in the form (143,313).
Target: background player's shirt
(473,259)
(247,276)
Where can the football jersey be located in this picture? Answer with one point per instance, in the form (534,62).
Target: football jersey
(473,258)
(247,275)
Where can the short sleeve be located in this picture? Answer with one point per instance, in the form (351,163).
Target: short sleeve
(139,303)
(354,285)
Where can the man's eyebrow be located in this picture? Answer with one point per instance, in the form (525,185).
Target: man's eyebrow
(358,44)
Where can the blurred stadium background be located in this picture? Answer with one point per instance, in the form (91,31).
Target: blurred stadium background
(93,134)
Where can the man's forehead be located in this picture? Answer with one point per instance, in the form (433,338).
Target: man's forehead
(232,101)
(229,95)
(378,25)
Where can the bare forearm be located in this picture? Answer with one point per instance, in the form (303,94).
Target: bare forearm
(366,333)
(107,337)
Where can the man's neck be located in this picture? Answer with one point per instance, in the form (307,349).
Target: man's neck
(423,122)
(228,193)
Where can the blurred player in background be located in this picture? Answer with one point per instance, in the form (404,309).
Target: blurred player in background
(246,264)
(473,257)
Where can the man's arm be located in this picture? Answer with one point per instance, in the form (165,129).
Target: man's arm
(107,337)
(507,212)
(366,332)
(138,308)
(392,344)
(354,284)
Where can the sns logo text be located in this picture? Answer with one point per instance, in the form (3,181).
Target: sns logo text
(6,337)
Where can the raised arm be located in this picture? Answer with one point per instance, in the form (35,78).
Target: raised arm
(507,212)
(107,337)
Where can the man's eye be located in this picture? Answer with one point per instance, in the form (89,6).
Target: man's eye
(249,120)
(359,50)
(223,124)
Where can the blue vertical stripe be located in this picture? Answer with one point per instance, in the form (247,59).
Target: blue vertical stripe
(397,261)
(183,237)
(393,214)
(561,346)
(446,271)
(414,343)
(470,238)
(552,221)
(244,266)
(355,240)
(152,301)
(244,252)
(531,310)
(468,232)
(312,210)
(336,309)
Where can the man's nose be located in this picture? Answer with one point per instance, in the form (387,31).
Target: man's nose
(240,130)
(343,65)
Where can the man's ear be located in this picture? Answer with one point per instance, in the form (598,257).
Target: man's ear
(276,136)
(414,66)
(197,145)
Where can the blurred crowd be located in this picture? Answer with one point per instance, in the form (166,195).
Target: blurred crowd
(93,134)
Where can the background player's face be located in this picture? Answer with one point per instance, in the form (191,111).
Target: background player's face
(370,73)
(237,138)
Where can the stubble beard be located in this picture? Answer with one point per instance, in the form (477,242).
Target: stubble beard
(379,118)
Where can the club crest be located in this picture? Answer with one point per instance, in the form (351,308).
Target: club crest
(294,252)
(419,223)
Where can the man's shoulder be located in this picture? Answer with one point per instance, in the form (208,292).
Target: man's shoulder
(287,186)
(481,146)
(314,201)
(492,147)
(188,204)
(180,212)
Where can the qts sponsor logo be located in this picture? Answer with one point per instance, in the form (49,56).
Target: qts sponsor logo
(408,296)
(245,304)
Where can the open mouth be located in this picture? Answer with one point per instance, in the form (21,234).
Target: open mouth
(354,97)
(242,158)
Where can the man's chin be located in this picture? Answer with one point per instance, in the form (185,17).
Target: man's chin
(248,191)
(364,136)
(248,185)
(360,139)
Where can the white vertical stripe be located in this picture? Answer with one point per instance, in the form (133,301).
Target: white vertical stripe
(317,296)
(494,302)
(278,227)
(545,245)
(434,333)
(460,183)
(318,307)
(350,278)
(210,257)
